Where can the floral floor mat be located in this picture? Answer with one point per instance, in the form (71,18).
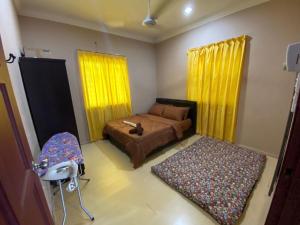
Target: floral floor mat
(216,175)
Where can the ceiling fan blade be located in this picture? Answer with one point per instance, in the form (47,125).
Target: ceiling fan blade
(161,8)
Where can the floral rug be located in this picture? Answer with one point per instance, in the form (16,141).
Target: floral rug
(216,175)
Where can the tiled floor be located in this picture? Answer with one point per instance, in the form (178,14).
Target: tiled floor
(119,195)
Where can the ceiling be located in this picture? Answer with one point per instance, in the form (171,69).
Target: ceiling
(124,17)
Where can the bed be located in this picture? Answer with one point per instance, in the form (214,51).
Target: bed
(158,131)
(216,175)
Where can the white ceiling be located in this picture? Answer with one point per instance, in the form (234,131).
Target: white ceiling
(124,17)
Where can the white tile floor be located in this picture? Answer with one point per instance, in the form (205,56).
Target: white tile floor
(120,195)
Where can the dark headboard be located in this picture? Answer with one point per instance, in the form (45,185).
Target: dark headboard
(183,103)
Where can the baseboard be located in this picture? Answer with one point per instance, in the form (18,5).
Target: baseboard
(48,195)
(252,148)
(258,150)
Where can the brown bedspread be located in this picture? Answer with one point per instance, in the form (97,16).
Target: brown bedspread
(158,131)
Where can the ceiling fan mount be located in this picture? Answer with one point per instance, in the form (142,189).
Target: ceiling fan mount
(149,21)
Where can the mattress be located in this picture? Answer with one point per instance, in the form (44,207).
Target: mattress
(158,131)
(216,175)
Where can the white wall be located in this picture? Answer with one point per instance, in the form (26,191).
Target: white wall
(11,41)
(63,41)
(266,89)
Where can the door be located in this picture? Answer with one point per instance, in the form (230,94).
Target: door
(22,201)
(285,207)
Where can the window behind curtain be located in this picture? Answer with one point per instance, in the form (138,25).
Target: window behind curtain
(106,91)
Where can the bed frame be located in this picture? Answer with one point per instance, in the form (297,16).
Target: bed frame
(176,102)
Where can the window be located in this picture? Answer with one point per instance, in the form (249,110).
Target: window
(106,90)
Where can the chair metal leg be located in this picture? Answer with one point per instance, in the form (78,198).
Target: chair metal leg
(79,178)
(80,201)
(81,174)
(56,189)
(84,179)
(63,202)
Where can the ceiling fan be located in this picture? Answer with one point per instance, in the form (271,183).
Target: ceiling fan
(150,20)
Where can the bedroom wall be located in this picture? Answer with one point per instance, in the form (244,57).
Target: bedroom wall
(12,43)
(63,41)
(11,40)
(266,89)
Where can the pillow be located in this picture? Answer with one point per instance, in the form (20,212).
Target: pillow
(175,113)
(186,112)
(157,109)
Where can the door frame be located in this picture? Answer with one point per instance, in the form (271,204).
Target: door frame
(286,200)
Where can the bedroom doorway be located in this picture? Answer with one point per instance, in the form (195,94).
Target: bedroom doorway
(22,200)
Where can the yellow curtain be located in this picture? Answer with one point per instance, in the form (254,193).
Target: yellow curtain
(214,74)
(106,91)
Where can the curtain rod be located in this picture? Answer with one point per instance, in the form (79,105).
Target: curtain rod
(103,53)
(247,37)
